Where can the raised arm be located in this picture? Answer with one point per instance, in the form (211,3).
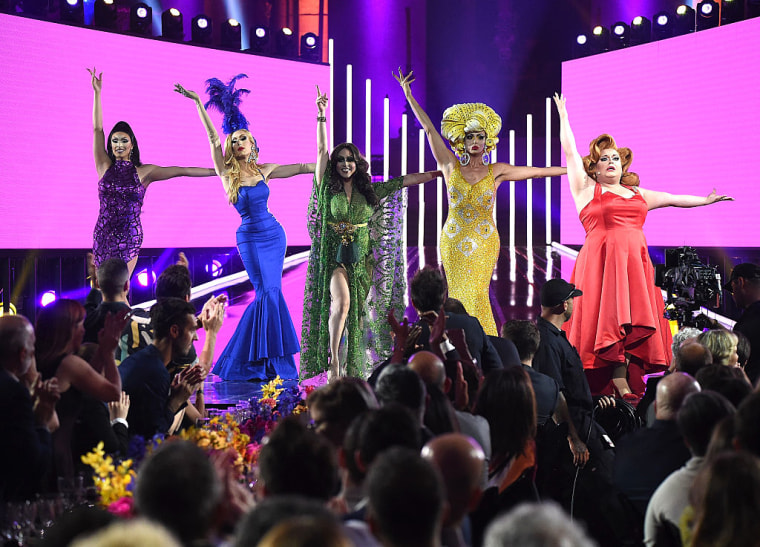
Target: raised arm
(440,149)
(213,137)
(102,161)
(655,200)
(273,171)
(419,178)
(322,152)
(580,183)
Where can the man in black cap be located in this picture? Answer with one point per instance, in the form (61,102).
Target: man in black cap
(744,285)
(558,359)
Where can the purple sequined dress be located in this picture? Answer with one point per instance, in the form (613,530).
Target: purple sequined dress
(118,231)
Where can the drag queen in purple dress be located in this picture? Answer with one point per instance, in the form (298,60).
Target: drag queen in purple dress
(121,189)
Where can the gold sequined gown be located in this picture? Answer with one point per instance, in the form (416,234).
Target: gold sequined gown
(470,244)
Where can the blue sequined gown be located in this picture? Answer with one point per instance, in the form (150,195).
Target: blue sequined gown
(265,340)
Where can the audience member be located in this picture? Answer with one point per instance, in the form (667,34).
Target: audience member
(647,456)
(744,285)
(178,487)
(746,430)
(130,533)
(731,382)
(400,384)
(722,345)
(271,511)
(155,396)
(743,349)
(406,500)
(302,531)
(699,415)
(333,406)
(113,281)
(536,525)
(297,461)
(28,416)
(460,461)
(78,522)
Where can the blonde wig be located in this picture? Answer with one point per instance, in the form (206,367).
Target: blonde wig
(233,165)
(595,149)
(460,119)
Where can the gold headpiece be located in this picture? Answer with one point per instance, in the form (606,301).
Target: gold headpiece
(460,119)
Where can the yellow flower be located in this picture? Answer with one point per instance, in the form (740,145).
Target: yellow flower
(272,389)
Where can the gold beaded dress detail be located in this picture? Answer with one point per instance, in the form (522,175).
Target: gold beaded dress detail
(470,244)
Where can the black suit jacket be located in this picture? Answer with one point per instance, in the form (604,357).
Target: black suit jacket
(478,343)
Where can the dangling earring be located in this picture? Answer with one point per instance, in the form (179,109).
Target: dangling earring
(130,154)
(486,158)
(464,159)
(251,157)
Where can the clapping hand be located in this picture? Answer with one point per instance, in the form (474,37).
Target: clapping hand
(187,93)
(97,79)
(108,337)
(119,408)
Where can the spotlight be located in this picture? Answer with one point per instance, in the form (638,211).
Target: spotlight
(662,26)
(146,277)
(286,43)
(311,49)
(171,25)
(620,36)
(599,40)
(141,19)
(708,14)
(201,30)
(47,298)
(641,30)
(72,11)
(686,20)
(231,34)
(581,47)
(11,308)
(105,14)
(731,11)
(258,40)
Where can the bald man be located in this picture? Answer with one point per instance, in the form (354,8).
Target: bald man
(26,416)
(431,369)
(645,457)
(460,460)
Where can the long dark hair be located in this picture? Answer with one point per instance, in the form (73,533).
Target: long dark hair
(361,181)
(123,127)
(53,330)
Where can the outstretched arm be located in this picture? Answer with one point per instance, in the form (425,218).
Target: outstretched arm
(655,200)
(441,152)
(505,171)
(419,178)
(151,173)
(322,153)
(576,174)
(286,171)
(213,136)
(102,161)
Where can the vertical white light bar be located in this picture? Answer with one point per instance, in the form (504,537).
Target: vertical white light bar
(349,103)
(404,159)
(548,179)
(386,138)
(512,190)
(330,46)
(512,253)
(421,195)
(529,182)
(404,145)
(368,120)
(495,275)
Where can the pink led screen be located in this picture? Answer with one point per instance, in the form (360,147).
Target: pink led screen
(47,174)
(688,107)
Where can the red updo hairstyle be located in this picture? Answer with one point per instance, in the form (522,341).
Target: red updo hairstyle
(604,142)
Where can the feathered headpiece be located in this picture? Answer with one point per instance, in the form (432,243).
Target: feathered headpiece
(226,99)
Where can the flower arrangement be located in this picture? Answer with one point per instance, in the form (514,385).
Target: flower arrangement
(115,480)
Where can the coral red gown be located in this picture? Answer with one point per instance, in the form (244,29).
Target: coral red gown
(621,310)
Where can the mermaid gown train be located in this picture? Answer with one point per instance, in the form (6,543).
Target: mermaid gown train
(265,340)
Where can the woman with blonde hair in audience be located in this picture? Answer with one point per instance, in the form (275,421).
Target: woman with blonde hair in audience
(723,346)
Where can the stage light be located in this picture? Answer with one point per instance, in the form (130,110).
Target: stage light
(662,26)
(620,36)
(105,14)
(231,35)
(171,25)
(641,30)
(72,11)
(146,277)
(599,40)
(731,11)
(685,20)
(708,14)
(311,48)
(47,298)
(259,40)
(11,308)
(141,19)
(214,268)
(286,43)
(581,47)
(201,30)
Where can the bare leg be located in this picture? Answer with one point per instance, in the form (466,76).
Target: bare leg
(620,378)
(340,303)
